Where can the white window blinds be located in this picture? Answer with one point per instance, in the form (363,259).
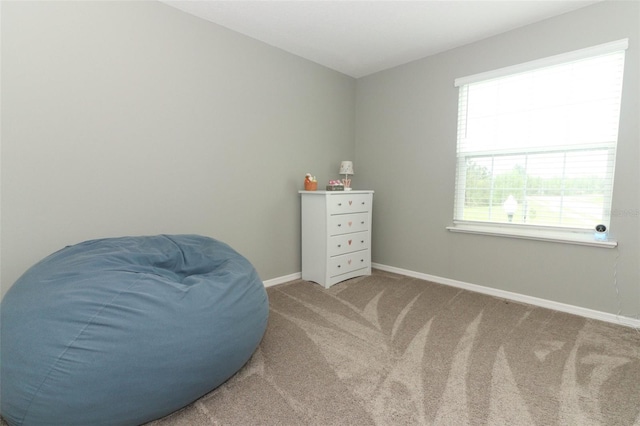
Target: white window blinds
(537,141)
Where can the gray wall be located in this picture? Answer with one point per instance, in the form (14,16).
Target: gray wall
(406,149)
(132,118)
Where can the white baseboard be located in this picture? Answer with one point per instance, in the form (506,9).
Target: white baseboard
(562,307)
(543,303)
(282,280)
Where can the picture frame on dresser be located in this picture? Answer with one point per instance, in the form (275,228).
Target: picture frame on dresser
(336,235)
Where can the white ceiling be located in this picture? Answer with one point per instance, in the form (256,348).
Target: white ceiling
(358,38)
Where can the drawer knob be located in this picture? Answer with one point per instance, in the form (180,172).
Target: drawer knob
(338,266)
(362,222)
(361,260)
(339,225)
(339,245)
(339,204)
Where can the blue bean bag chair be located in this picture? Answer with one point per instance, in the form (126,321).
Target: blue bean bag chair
(126,330)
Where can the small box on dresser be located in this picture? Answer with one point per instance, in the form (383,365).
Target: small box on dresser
(336,235)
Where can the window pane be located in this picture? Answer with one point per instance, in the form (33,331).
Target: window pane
(567,189)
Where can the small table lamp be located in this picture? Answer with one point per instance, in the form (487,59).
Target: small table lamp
(346,169)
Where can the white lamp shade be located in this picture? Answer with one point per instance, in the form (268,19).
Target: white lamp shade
(346,168)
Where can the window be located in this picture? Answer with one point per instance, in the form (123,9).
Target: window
(537,143)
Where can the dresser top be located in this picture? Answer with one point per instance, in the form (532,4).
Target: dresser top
(353,191)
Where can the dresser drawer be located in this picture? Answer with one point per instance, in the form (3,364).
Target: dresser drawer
(349,203)
(348,223)
(342,244)
(349,262)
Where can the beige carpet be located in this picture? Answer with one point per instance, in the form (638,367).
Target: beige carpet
(393,350)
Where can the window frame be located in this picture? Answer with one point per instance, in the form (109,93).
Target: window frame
(529,231)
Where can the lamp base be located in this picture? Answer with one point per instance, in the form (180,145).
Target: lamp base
(346,182)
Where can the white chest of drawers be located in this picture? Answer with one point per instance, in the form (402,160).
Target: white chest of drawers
(336,235)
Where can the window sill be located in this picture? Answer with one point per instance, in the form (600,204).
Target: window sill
(583,239)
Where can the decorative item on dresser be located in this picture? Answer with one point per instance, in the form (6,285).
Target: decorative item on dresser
(310,182)
(336,235)
(346,169)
